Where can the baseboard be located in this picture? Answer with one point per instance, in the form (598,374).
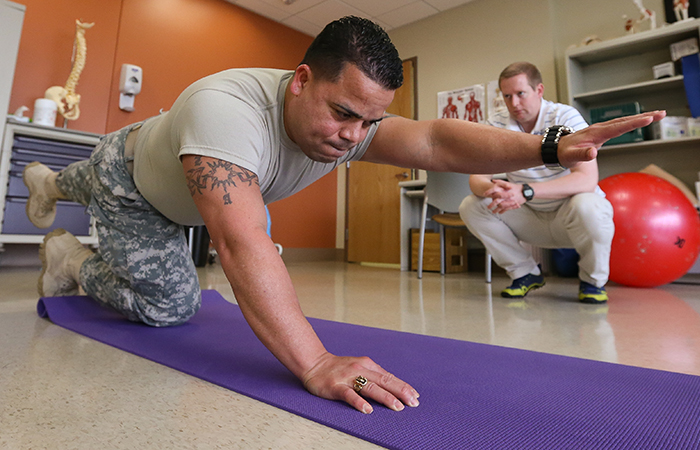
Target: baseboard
(290,255)
(689,278)
(20,255)
(27,255)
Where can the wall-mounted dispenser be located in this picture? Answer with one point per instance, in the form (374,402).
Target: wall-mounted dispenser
(130,82)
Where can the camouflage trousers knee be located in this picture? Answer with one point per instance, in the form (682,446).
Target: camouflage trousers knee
(143,267)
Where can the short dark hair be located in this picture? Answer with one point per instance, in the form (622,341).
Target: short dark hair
(357,41)
(534,77)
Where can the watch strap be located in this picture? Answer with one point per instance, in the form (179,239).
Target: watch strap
(550,144)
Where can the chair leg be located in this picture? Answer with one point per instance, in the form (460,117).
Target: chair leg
(421,238)
(442,250)
(488,267)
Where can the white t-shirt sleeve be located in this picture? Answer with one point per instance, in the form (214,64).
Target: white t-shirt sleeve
(218,125)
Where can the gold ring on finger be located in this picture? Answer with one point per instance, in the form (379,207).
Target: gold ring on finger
(360,382)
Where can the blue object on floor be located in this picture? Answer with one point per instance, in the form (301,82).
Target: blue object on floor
(565,262)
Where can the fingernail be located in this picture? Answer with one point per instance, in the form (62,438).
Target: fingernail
(367,409)
(414,402)
(415,392)
(398,406)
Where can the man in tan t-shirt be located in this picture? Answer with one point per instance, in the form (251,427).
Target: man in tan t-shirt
(332,106)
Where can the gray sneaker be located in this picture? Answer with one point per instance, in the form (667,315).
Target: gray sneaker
(41,206)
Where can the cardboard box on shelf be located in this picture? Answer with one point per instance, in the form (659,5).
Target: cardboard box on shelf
(664,70)
(684,48)
(693,126)
(670,127)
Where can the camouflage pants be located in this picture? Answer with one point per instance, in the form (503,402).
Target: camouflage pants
(143,267)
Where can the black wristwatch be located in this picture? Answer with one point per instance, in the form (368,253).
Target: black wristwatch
(550,143)
(528,192)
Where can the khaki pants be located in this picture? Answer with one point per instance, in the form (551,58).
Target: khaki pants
(584,222)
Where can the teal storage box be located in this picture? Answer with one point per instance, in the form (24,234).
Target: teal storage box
(613,112)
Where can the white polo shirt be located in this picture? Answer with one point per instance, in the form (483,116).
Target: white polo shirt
(550,114)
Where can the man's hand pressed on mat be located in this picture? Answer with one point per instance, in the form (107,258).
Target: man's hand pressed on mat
(247,137)
(237,223)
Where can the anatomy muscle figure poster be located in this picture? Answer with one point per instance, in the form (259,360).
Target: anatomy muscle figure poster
(465,104)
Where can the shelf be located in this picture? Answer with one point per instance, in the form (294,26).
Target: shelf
(36,239)
(412,184)
(619,71)
(415,194)
(54,132)
(650,145)
(635,43)
(630,90)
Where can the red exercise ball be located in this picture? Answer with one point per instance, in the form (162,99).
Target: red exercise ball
(657,230)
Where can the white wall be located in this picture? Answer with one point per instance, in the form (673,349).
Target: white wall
(472,43)
(574,20)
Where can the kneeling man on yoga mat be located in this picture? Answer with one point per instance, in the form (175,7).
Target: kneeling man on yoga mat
(235,141)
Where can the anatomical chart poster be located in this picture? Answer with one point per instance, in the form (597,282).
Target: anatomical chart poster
(467,103)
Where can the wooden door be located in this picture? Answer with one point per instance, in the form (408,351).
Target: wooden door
(373,207)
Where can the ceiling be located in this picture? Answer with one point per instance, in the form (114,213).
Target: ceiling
(310,16)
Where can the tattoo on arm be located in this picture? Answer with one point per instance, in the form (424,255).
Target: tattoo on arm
(217,174)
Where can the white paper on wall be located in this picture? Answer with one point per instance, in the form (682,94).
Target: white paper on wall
(467,103)
(496,104)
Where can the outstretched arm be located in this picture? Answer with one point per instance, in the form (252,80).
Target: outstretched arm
(229,200)
(457,146)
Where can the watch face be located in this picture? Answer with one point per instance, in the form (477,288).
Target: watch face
(528,193)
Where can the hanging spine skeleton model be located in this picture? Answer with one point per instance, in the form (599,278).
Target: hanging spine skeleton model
(65,97)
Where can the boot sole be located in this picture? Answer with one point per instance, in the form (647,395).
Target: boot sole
(29,200)
(42,256)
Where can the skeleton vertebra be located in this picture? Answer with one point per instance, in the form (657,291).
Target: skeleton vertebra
(65,97)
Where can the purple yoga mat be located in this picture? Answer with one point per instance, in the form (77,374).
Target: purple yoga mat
(473,396)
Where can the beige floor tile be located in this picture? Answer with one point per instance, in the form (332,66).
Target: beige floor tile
(61,390)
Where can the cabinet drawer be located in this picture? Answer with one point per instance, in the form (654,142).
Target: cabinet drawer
(16,187)
(17,167)
(39,145)
(56,159)
(71,216)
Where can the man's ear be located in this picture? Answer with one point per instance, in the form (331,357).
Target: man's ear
(540,90)
(302,75)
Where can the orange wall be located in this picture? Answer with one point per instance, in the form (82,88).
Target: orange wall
(45,51)
(175,42)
